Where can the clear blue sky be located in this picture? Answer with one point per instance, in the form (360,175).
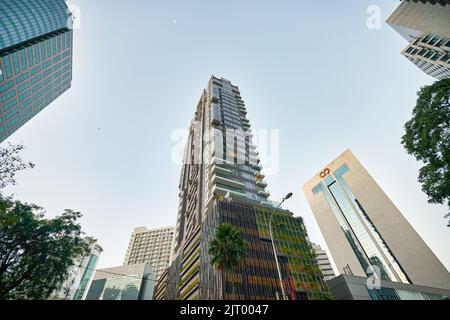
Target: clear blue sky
(309,68)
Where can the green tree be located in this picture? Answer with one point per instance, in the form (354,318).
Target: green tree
(227,249)
(427,138)
(35,252)
(10,163)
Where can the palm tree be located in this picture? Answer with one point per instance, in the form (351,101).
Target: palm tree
(227,249)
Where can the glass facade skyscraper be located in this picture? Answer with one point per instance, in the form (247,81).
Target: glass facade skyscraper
(222,181)
(365,231)
(35,59)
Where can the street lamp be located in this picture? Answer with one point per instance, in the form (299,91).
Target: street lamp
(288,196)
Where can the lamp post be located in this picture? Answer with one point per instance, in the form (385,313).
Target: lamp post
(273,245)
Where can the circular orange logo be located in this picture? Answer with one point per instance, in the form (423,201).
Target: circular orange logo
(325,173)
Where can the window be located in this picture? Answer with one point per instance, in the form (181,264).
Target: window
(35,70)
(37,87)
(12,122)
(16,63)
(64,42)
(54,45)
(30,56)
(445,57)
(8,96)
(23,60)
(6,86)
(47,64)
(23,86)
(58,43)
(11,113)
(426,39)
(7,65)
(435,39)
(436,56)
(25,103)
(48,45)
(36,79)
(22,78)
(38,95)
(9,105)
(36,54)
(43,51)
(47,73)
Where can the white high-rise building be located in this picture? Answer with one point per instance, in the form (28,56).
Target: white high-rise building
(426,26)
(324,262)
(365,231)
(152,246)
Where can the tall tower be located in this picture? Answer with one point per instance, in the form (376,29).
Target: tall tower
(35,59)
(152,246)
(222,182)
(363,228)
(426,26)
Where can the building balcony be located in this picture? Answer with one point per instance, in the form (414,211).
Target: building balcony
(228,182)
(264,193)
(261,183)
(218,190)
(221,170)
(217,160)
(257,167)
(253,153)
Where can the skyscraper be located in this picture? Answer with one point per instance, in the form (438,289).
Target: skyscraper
(425,25)
(222,181)
(363,228)
(152,246)
(35,59)
(324,262)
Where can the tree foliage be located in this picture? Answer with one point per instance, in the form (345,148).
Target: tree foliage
(35,252)
(10,163)
(427,138)
(228,248)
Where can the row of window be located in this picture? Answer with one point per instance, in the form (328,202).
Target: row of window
(30,106)
(435,40)
(25,89)
(25,58)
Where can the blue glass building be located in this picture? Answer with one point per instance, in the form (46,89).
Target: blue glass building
(35,58)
